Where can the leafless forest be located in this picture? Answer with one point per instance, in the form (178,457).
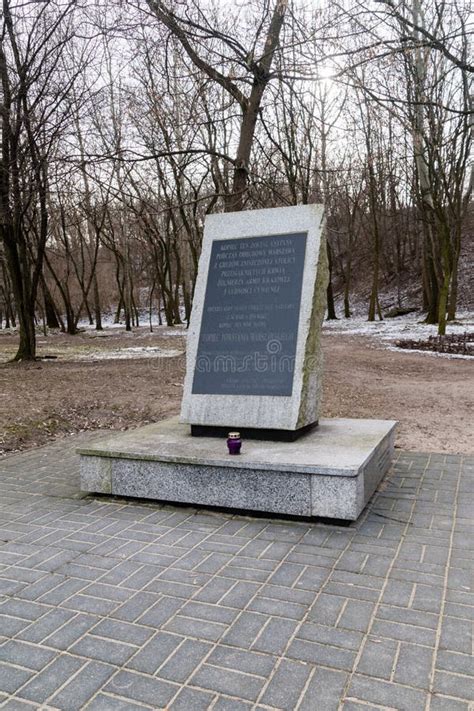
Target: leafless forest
(124,123)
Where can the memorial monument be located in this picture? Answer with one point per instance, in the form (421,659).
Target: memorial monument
(253,366)
(254,354)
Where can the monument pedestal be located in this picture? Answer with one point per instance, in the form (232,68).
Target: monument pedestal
(331,471)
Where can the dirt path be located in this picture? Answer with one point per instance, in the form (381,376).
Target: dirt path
(430,396)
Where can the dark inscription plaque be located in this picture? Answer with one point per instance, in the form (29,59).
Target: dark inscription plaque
(249,326)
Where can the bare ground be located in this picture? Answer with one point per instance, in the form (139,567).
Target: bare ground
(431,396)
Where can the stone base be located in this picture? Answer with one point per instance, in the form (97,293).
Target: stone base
(252,432)
(331,472)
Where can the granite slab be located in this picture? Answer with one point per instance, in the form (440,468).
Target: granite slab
(331,471)
(254,358)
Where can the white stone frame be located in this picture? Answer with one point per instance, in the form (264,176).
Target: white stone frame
(263,411)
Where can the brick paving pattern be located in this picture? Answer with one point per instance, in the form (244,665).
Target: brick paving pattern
(108,604)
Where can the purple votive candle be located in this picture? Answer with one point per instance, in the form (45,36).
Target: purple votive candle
(234,442)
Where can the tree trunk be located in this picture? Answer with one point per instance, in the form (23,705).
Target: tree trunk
(50,312)
(329,291)
(453,294)
(26,319)
(97,309)
(432,288)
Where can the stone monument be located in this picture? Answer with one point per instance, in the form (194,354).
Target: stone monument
(254,354)
(253,365)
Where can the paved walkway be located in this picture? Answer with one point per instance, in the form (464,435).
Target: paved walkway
(111,605)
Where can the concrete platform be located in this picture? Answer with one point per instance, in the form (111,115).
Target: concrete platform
(330,472)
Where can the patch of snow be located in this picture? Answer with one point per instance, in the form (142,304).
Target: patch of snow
(410,326)
(173,331)
(391,329)
(130,353)
(107,324)
(110,329)
(431,353)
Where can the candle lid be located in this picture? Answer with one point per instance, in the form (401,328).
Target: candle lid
(234,435)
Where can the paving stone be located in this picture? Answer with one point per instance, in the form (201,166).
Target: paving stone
(336,637)
(455,662)
(223,704)
(17,705)
(44,684)
(24,609)
(12,626)
(305,555)
(213,563)
(384,693)
(286,685)
(465,612)
(456,635)
(414,666)
(275,636)
(85,573)
(460,579)
(415,618)
(240,595)
(104,650)
(214,590)
(229,682)
(321,654)
(160,612)
(191,580)
(252,574)
(358,579)
(39,587)
(104,702)
(243,632)
(456,685)
(378,658)
(312,579)
(11,678)
(243,661)
(123,631)
(200,629)
(280,608)
(427,598)
(93,605)
(125,572)
(26,655)
(135,606)
(154,692)
(192,700)
(358,706)
(404,632)
(324,691)
(75,695)
(326,609)
(166,587)
(154,653)
(351,591)
(443,703)
(184,660)
(30,576)
(357,615)
(275,592)
(71,631)
(212,613)
(46,625)
(287,574)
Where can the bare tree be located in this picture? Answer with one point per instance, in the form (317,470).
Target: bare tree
(34,111)
(245,65)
